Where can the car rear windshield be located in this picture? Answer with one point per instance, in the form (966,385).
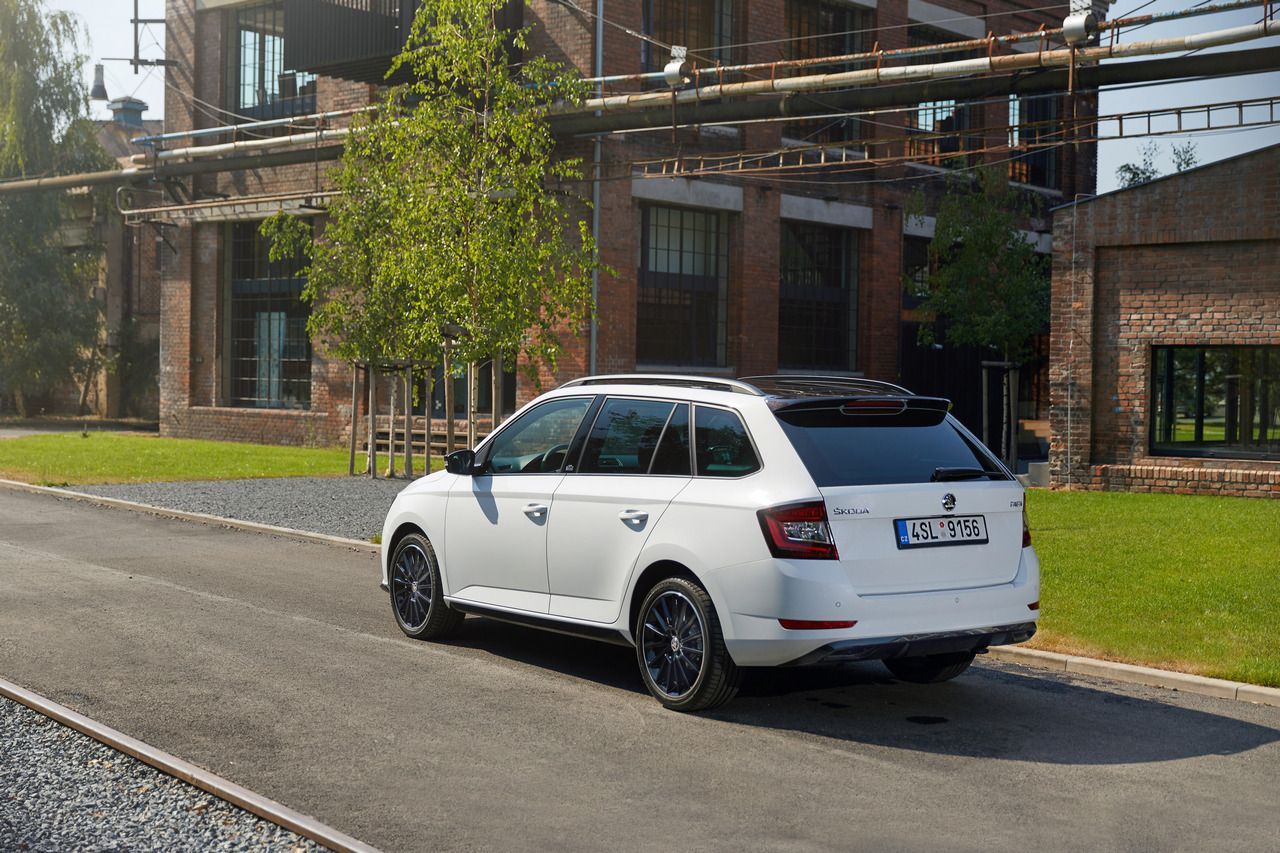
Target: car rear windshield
(842,451)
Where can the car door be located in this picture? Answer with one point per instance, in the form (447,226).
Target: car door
(496,520)
(634,462)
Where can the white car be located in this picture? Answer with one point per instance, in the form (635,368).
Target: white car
(715,524)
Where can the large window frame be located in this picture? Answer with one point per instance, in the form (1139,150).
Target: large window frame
(939,131)
(705,27)
(682,288)
(268,353)
(817,28)
(817,297)
(1215,401)
(1035,140)
(259,86)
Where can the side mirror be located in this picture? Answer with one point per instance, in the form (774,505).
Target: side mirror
(461,462)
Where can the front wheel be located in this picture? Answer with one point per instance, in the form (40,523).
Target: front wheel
(417,596)
(929,669)
(680,648)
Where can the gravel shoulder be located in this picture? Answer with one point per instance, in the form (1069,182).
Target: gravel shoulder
(352,507)
(61,790)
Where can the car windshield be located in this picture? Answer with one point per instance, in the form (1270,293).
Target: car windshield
(842,451)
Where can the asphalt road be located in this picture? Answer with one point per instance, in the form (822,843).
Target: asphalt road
(277,664)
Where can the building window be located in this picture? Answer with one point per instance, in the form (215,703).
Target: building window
(1218,401)
(270,351)
(683,285)
(703,26)
(818,297)
(940,132)
(915,271)
(823,28)
(262,87)
(484,391)
(1035,141)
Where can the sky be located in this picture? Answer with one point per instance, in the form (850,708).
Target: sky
(111,35)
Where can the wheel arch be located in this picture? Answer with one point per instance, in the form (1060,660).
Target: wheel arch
(652,575)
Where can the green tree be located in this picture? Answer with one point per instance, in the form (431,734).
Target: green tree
(454,206)
(1185,157)
(987,286)
(49,322)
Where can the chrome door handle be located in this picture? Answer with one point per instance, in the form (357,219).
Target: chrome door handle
(536,511)
(636,515)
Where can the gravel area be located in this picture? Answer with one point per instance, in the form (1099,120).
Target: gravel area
(354,507)
(61,790)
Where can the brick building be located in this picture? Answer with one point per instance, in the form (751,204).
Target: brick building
(723,276)
(1165,354)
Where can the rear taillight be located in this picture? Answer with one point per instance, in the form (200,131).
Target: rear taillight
(799,531)
(1026,529)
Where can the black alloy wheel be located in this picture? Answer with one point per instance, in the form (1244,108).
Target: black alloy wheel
(416,595)
(680,648)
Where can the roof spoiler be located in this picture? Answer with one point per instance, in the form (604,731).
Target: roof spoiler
(832,411)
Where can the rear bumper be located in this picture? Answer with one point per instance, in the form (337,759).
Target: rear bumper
(914,645)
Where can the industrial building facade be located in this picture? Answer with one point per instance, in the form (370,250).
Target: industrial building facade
(1165,355)
(726,275)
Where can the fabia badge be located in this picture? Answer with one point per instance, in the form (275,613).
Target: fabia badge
(948,502)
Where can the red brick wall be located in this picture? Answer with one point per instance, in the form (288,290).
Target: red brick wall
(1146,273)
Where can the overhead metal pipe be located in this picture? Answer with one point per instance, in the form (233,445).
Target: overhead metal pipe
(930,71)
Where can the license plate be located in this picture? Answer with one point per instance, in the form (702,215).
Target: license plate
(941,530)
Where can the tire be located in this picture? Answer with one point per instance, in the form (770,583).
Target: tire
(417,597)
(680,648)
(929,669)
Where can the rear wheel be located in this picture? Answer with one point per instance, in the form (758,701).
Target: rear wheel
(929,669)
(417,596)
(680,648)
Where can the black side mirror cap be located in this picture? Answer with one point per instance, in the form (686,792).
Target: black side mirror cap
(461,462)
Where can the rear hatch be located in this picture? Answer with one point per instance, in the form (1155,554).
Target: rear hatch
(914,503)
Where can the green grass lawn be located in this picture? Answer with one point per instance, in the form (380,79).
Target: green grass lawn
(1173,581)
(56,459)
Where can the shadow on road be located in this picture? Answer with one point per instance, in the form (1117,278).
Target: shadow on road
(991,711)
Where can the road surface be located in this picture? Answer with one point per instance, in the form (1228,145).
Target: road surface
(277,664)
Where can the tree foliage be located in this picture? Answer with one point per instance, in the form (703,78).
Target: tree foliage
(987,286)
(1128,175)
(49,321)
(454,206)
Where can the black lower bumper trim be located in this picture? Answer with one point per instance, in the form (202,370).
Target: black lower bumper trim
(917,645)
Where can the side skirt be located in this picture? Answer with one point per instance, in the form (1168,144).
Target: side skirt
(529,620)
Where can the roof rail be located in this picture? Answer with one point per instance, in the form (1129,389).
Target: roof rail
(821,385)
(678,381)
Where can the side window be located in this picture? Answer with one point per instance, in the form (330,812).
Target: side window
(672,455)
(537,441)
(723,449)
(625,436)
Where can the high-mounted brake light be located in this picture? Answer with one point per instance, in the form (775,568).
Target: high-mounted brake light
(799,531)
(808,625)
(874,407)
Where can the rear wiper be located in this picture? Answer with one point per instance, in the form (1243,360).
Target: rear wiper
(942,475)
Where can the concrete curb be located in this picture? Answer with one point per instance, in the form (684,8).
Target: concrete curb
(202,518)
(265,808)
(1217,687)
(1124,672)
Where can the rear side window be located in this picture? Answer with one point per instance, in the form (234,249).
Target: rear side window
(840,453)
(723,448)
(625,436)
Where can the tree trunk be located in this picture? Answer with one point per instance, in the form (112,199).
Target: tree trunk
(355,418)
(373,421)
(473,387)
(1004,419)
(1013,419)
(426,407)
(986,407)
(448,401)
(90,374)
(408,422)
(497,393)
(391,428)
